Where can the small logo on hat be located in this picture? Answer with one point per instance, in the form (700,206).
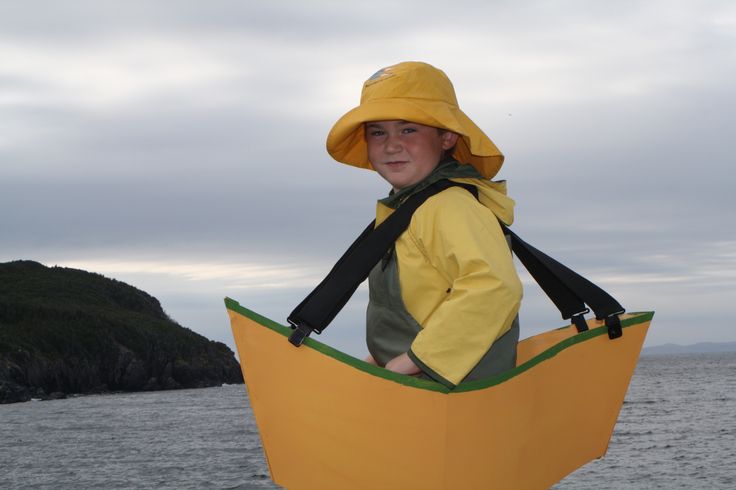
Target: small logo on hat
(381,74)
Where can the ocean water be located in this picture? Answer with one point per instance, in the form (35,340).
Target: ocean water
(677,430)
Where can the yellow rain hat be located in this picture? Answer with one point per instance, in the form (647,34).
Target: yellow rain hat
(417,92)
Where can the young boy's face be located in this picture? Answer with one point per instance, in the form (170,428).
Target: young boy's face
(403,152)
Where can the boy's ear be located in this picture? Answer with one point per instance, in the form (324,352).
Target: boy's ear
(449,139)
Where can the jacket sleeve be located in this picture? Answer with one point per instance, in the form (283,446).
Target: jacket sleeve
(463,240)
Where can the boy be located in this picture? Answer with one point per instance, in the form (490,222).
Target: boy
(443,303)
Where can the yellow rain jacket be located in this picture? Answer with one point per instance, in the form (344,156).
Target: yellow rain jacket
(456,276)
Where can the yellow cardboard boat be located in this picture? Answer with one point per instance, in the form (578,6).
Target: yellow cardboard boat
(331,421)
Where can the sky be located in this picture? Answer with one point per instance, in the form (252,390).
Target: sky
(180,146)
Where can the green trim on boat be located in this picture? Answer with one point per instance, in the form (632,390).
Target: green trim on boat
(233,305)
(641,317)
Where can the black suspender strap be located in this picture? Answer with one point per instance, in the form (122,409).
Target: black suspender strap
(569,291)
(325,302)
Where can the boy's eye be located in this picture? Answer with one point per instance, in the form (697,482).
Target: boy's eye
(375,132)
(408,130)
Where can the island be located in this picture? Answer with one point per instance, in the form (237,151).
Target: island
(67,331)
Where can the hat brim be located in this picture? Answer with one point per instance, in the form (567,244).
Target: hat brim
(346,142)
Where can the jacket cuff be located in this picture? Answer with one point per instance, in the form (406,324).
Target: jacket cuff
(429,371)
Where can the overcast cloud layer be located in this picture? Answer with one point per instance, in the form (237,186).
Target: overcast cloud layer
(179,146)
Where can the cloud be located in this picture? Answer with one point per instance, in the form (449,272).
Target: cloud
(183,149)
(233,276)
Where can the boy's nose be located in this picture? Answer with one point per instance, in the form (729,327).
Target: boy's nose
(393,144)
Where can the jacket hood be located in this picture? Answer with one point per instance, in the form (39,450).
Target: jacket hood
(492,194)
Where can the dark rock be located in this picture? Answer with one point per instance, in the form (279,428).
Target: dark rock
(151,385)
(13,393)
(171,384)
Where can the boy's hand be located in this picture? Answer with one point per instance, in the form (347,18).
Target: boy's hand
(402,364)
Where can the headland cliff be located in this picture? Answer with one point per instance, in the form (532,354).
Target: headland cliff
(67,331)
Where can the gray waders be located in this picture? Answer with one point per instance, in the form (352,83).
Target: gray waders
(390,328)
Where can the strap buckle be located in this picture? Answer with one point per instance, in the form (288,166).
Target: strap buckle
(579,320)
(299,334)
(613,324)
